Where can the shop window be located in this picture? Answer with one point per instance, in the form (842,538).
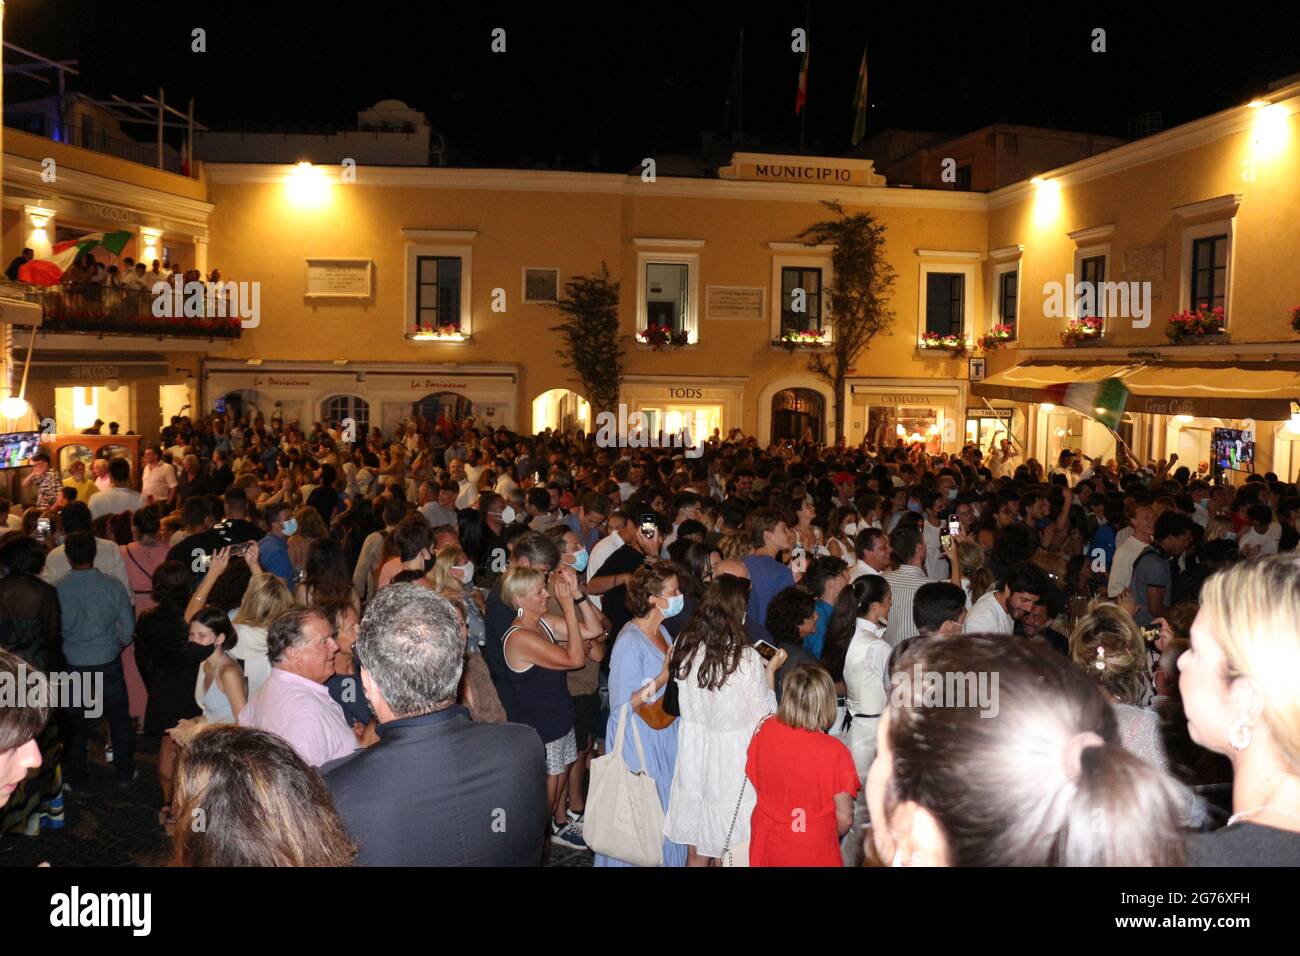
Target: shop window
(355,407)
(889,424)
(986,429)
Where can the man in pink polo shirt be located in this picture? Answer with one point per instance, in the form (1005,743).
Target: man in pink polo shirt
(294,702)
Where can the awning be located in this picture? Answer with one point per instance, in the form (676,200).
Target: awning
(1260,390)
(1024,383)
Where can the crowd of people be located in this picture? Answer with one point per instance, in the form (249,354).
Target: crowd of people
(408,649)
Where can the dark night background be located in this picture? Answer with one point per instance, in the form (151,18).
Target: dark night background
(586,86)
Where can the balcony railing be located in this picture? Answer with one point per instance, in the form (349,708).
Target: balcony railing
(40,124)
(104,310)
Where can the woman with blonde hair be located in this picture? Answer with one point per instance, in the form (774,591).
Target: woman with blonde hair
(1108,646)
(1220,527)
(796,766)
(265,598)
(1238,684)
(258,802)
(736,546)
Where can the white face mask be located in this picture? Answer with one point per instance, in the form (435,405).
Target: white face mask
(508,515)
(851,529)
(466,571)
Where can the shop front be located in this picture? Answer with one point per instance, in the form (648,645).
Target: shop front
(882,411)
(698,404)
(373,394)
(125,388)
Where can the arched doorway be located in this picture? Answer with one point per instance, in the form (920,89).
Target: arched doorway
(795,411)
(241,403)
(435,405)
(561,409)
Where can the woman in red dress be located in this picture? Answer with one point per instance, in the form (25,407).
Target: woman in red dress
(805,779)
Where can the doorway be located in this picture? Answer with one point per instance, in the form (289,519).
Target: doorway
(796,412)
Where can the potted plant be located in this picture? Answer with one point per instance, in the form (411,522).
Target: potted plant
(996,337)
(448,331)
(792,339)
(1083,330)
(954,345)
(1199,323)
(660,337)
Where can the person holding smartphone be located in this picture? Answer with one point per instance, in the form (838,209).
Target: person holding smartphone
(617,570)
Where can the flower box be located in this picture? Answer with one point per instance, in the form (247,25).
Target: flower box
(803,339)
(437,333)
(956,346)
(660,337)
(1203,325)
(996,338)
(1083,332)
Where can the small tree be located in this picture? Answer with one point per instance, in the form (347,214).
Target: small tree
(590,328)
(860,288)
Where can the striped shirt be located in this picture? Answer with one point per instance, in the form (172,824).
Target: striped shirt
(903,585)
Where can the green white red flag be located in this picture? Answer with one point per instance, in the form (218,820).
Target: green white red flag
(1103,401)
(64,254)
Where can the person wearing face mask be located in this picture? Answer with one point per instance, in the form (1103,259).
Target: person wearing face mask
(273,549)
(840,531)
(220,689)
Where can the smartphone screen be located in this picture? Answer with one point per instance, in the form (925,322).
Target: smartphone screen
(954,526)
(765,649)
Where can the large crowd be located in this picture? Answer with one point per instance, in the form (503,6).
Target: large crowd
(455,645)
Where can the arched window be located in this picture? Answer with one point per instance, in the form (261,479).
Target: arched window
(338,407)
(795,411)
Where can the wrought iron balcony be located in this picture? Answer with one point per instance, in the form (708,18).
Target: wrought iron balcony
(104,310)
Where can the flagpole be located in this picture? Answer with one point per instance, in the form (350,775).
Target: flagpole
(807,39)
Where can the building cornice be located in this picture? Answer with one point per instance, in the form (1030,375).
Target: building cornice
(1217,126)
(1220,207)
(23,185)
(612,184)
(1092,233)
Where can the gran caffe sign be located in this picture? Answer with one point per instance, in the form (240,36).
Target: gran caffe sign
(819,171)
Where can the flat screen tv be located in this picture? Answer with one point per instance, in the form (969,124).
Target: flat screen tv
(17,448)
(1233,449)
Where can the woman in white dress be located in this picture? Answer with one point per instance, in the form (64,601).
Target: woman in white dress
(265,598)
(724,689)
(866,664)
(840,531)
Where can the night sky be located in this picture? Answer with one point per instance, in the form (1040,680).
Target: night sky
(603,85)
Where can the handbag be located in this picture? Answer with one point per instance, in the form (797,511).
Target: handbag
(624,818)
(739,854)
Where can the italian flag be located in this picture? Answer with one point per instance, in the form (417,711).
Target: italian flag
(860,102)
(801,96)
(1103,401)
(50,271)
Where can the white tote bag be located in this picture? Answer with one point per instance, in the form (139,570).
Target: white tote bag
(625,820)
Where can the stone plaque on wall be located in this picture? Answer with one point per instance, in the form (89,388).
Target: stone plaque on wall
(1146,264)
(338,278)
(734,302)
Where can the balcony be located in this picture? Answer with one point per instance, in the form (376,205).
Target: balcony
(146,154)
(102,311)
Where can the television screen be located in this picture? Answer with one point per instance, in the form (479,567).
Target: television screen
(17,448)
(1233,449)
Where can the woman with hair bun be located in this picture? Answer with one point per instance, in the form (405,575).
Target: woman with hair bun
(1108,646)
(1033,774)
(1238,684)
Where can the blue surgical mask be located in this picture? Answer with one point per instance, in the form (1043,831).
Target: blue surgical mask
(914,506)
(675,605)
(290,527)
(952,494)
(1230,536)
(580,561)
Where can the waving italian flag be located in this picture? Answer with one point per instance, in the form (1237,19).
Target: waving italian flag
(1103,401)
(50,271)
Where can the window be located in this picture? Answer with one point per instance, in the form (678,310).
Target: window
(1092,273)
(801,299)
(1008,283)
(541,285)
(963,178)
(1209,272)
(945,302)
(666,292)
(437,293)
(340,407)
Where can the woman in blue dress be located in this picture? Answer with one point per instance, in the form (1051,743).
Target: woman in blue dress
(638,674)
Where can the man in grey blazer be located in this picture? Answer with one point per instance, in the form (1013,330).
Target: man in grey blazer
(438,789)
